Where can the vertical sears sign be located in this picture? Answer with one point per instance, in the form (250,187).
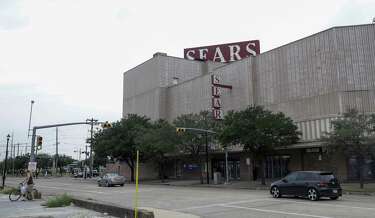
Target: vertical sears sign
(224,52)
(216,100)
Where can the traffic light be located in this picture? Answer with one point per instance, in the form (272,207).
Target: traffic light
(179,130)
(106,125)
(39,142)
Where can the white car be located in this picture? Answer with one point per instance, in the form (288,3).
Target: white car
(111,179)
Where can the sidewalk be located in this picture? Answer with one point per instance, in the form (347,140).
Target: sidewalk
(348,188)
(31,209)
(254,185)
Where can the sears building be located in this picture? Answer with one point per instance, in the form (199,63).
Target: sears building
(312,80)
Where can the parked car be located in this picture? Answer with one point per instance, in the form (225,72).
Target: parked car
(310,184)
(111,179)
(95,173)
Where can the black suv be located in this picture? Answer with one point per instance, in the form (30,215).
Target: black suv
(310,184)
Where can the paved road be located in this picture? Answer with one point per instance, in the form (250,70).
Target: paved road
(213,202)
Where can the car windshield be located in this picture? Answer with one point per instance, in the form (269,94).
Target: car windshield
(112,174)
(326,176)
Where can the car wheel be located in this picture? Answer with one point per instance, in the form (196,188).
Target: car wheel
(99,184)
(312,194)
(334,198)
(122,184)
(275,191)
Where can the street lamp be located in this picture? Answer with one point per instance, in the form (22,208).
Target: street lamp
(5,161)
(31,112)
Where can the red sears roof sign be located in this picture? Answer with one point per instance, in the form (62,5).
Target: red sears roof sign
(224,52)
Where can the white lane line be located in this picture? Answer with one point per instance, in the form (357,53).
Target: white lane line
(69,189)
(220,204)
(321,204)
(275,211)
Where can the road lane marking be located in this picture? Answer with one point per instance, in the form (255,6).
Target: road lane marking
(75,190)
(220,204)
(321,204)
(275,211)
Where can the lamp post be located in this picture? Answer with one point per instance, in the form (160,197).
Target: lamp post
(5,161)
(31,112)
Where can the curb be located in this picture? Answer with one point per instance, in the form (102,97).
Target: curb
(266,188)
(358,193)
(110,208)
(210,186)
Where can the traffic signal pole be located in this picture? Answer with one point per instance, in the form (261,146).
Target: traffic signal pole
(207,175)
(33,136)
(205,131)
(91,121)
(5,161)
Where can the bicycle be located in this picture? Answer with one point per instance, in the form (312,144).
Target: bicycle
(15,195)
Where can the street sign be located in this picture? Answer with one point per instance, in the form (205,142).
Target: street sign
(32,166)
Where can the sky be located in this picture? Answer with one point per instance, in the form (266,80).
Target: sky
(69,55)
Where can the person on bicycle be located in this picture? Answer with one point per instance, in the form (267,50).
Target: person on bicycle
(28,184)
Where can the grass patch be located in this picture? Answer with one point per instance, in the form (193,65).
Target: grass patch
(7,190)
(354,187)
(59,201)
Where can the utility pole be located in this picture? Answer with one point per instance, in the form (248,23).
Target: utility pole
(57,150)
(5,161)
(92,122)
(18,149)
(14,153)
(85,171)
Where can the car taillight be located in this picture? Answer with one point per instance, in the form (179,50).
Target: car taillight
(322,184)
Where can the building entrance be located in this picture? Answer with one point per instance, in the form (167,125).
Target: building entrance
(276,166)
(233,168)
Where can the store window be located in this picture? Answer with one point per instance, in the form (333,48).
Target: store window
(354,169)
(276,166)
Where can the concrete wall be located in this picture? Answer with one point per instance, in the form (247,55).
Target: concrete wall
(313,80)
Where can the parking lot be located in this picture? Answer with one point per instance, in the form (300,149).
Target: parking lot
(212,202)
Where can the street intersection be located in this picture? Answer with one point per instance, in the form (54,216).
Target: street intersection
(211,202)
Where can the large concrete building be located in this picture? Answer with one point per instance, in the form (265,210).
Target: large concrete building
(313,80)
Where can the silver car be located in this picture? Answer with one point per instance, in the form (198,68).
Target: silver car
(111,179)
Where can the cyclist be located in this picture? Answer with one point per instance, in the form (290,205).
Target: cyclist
(28,185)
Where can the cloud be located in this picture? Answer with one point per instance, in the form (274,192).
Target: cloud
(11,16)
(48,109)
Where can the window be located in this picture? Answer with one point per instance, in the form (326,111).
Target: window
(291,177)
(326,177)
(302,176)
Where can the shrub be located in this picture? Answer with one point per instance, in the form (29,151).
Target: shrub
(59,201)
(7,190)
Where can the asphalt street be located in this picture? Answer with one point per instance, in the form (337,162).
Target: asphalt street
(212,202)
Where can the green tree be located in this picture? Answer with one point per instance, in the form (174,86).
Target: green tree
(44,161)
(65,160)
(353,135)
(260,131)
(192,142)
(160,140)
(122,140)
